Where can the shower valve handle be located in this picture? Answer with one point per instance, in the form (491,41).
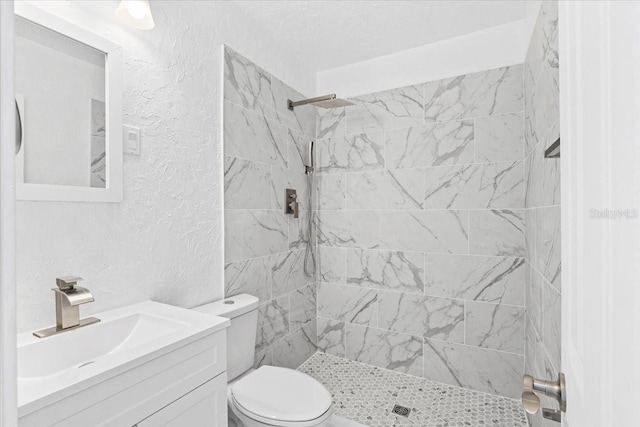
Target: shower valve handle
(291,202)
(294,207)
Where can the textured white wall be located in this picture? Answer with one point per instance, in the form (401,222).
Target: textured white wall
(486,49)
(164,242)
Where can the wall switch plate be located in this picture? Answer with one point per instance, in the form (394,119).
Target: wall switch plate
(131,140)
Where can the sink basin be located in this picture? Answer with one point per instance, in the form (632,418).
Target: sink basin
(52,368)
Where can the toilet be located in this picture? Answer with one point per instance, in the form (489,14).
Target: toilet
(267,396)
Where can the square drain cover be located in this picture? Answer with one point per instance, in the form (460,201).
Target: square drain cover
(401,410)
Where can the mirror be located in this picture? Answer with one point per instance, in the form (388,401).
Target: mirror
(68,101)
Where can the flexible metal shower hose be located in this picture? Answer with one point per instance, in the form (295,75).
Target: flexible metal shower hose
(309,256)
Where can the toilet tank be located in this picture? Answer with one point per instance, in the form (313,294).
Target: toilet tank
(242,311)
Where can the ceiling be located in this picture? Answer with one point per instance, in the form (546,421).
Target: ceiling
(328,34)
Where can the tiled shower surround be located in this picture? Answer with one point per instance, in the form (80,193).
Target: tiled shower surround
(421,230)
(265,148)
(420,214)
(543,286)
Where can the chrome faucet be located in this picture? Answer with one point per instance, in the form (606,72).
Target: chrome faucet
(69,297)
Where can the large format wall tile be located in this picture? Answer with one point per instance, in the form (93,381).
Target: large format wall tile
(298,154)
(332,190)
(551,327)
(534,297)
(254,233)
(251,136)
(472,367)
(425,231)
(296,347)
(475,186)
(430,145)
(477,278)
(352,153)
(287,272)
(390,350)
(347,303)
(542,200)
(547,244)
(399,271)
(499,138)
(399,189)
(282,179)
(332,264)
(474,95)
(299,230)
(246,84)
(495,326)
(386,110)
(273,322)
(301,120)
(543,179)
(331,337)
(331,122)
(425,316)
(349,229)
(542,76)
(496,232)
(246,184)
(262,358)
(302,306)
(249,276)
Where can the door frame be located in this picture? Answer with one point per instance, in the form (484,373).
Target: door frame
(8,369)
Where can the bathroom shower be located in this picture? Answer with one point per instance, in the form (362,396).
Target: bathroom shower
(309,256)
(327,102)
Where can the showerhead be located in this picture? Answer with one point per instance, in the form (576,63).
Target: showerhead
(333,103)
(327,101)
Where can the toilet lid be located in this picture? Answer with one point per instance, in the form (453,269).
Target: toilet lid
(281,394)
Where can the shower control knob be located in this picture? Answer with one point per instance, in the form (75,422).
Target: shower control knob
(291,202)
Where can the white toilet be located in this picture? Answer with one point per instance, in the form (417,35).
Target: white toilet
(267,396)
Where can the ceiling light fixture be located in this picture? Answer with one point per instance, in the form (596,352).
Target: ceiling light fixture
(136,13)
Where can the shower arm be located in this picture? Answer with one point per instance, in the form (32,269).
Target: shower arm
(292,104)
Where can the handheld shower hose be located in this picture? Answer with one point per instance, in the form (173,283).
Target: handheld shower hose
(309,256)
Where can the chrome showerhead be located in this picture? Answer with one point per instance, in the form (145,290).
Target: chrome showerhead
(327,101)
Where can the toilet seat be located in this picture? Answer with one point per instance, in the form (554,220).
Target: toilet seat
(281,397)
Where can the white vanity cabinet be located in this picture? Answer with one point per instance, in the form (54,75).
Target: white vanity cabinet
(205,406)
(177,378)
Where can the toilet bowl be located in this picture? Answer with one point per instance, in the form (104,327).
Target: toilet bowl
(267,396)
(271,396)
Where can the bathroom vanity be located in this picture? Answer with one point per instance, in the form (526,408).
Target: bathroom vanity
(149,364)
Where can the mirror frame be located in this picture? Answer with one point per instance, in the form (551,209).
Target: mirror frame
(113,120)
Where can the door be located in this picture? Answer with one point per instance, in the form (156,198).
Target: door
(600,121)
(8,401)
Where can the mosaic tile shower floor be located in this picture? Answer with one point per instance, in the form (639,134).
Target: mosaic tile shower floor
(366,394)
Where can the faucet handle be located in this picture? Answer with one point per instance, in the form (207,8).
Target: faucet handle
(67,283)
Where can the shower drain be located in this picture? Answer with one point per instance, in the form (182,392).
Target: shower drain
(401,410)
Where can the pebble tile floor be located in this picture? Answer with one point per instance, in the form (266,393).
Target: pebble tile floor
(367,394)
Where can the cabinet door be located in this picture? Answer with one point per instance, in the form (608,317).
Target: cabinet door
(205,406)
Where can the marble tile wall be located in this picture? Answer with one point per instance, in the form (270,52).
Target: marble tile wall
(265,148)
(542,204)
(421,230)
